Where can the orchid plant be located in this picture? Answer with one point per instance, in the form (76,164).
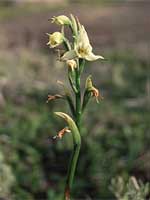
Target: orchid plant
(75,53)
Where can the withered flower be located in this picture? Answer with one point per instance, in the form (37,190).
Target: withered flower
(53,97)
(61,133)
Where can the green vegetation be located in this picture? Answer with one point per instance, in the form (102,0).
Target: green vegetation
(115,141)
(130,189)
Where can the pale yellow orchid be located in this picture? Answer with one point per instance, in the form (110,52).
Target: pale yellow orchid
(83,47)
(55,39)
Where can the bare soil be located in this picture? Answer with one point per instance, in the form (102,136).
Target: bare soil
(112,26)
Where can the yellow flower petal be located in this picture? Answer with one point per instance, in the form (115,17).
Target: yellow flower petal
(92,57)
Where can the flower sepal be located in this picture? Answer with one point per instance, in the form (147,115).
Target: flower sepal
(74,26)
(69,55)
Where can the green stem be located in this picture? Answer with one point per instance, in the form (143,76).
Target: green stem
(71,105)
(71,170)
(72,83)
(77,140)
(78,101)
(74,158)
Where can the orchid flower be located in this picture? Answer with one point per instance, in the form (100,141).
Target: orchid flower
(55,39)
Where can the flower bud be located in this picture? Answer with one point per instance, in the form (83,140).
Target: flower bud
(91,89)
(71,64)
(61,20)
(55,39)
(88,83)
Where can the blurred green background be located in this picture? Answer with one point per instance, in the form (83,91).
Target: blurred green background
(116,132)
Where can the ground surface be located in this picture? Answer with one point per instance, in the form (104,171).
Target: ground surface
(116,25)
